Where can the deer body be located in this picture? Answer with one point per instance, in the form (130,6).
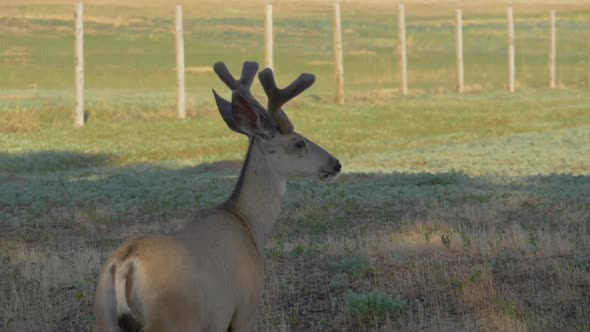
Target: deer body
(210,275)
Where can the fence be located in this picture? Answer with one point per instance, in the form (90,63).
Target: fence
(404,37)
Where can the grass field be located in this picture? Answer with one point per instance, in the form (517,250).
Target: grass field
(455,212)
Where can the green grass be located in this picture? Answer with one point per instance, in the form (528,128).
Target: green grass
(454,212)
(532,132)
(373,306)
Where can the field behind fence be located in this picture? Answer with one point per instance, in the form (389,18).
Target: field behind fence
(131,61)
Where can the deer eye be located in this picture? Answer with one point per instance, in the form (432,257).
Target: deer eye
(300,144)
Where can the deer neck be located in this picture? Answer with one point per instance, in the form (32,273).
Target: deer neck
(257,197)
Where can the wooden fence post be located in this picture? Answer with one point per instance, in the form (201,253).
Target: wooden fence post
(459,38)
(181,97)
(402,49)
(79,65)
(338,55)
(268,44)
(511,68)
(552,49)
(588,58)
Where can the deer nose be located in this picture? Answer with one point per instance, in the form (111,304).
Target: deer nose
(337,167)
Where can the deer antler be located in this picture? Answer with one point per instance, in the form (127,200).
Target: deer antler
(278,97)
(242,85)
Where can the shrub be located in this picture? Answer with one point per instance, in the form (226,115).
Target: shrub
(355,265)
(375,305)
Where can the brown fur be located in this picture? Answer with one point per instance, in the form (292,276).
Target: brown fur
(210,276)
(168,264)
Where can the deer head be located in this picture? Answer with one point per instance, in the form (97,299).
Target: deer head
(289,153)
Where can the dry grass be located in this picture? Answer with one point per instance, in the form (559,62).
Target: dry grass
(289,8)
(511,263)
(19,121)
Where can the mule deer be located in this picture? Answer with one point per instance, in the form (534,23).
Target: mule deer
(210,275)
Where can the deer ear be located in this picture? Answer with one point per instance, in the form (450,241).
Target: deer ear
(246,118)
(225,109)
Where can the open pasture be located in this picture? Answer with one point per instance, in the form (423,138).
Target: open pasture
(455,212)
